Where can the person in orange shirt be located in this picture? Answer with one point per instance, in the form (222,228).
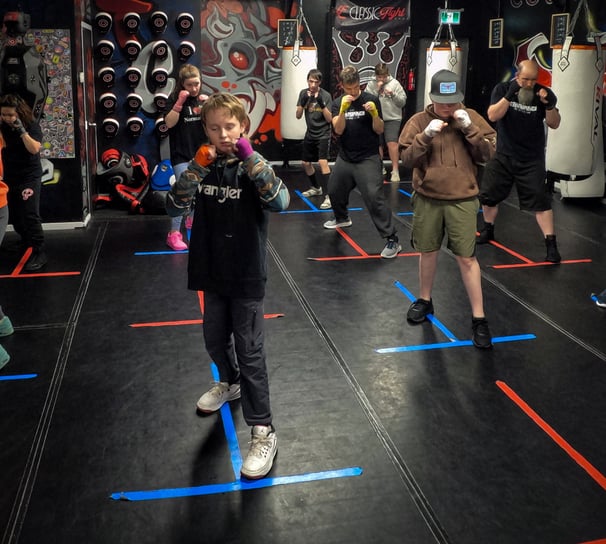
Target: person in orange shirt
(6,327)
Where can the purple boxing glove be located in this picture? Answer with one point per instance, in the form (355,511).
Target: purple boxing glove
(243,149)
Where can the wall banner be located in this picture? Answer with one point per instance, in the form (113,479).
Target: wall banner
(364,36)
(386,15)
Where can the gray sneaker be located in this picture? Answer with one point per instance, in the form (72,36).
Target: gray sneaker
(217,396)
(334,224)
(260,456)
(392,248)
(326,204)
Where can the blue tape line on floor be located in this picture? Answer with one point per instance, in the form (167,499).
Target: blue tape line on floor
(229,428)
(238,485)
(431,318)
(317,210)
(458,343)
(167,252)
(18,377)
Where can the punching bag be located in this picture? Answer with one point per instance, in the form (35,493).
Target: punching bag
(298,59)
(441,56)
(577,81)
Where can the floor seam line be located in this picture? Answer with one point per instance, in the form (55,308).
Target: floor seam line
(392,451)
(28,479)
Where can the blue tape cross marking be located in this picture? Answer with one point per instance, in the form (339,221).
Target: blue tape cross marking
(312,207)
(431,317)
(455,344)
(236,460)
(453,341)
(238,485)
(17,377)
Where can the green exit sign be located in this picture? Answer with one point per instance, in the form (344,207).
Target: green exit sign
(450,16)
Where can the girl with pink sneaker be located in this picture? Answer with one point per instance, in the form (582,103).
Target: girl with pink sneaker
(186,136)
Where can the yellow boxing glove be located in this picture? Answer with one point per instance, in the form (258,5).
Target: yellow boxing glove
(372,109)
(344,106)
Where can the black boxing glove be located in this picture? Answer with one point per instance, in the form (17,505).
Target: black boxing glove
(320,102)
(18,126)
(304,99)
(552,100)
(514,87)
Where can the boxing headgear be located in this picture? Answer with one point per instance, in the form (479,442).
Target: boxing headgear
(105,50)
(110,157)
(158,21)
(162,176)
(108,103)
(131,21)
(184,23)
(185,51)
(134,126)
(161,127)
(160,50)
(103,22)
(159,76)
(133,102)
(133,76)
(115,167)
(110,127)
(160,101)
(107,77)
(132,48)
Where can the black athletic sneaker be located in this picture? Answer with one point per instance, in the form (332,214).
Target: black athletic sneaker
(553,255)
(481,333)
(36,261)
(486,234)
(419,310)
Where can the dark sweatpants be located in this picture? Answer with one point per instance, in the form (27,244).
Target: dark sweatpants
(24,211)
(366,176)
(233,333)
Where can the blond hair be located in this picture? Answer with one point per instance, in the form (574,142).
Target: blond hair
(226,101)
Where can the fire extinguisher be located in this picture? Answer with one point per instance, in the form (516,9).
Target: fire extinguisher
(410,82)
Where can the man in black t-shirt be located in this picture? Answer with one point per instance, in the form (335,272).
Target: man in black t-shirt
(356,120)
(315,102)
(520,109)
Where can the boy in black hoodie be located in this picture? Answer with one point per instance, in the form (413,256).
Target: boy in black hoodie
(234,189)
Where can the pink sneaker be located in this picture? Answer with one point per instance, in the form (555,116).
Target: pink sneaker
(174,240)
(188,221)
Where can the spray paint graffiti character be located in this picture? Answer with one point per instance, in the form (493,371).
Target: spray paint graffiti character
(240,56)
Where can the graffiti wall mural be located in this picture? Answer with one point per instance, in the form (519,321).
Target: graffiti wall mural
(240,55)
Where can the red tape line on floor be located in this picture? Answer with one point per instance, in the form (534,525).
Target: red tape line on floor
(576,456)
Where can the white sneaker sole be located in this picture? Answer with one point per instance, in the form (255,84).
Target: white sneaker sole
(340,225)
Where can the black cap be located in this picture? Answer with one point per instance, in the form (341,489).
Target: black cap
(446,88)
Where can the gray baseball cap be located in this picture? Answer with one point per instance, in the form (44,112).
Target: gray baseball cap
(446,88)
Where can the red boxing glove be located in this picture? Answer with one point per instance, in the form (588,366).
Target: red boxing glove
(205,155)
(243,149)
(183,95)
